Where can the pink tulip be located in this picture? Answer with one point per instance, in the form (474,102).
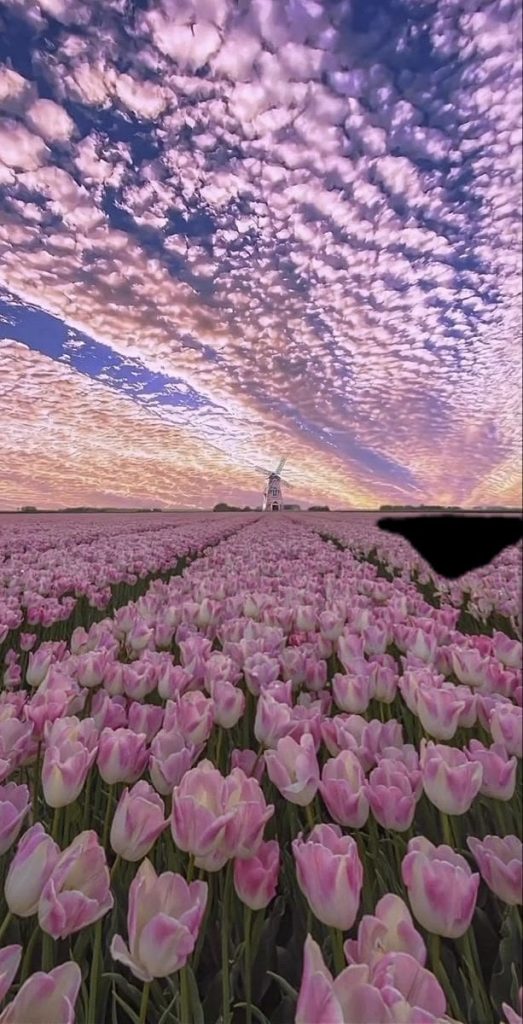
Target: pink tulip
(10,957)
(256,877)
(352,693)
(90,668)
(17,743)
(260,670)
(506,727)
(46,997)
(29,870)
(139,679)
(38,666)
(407,755)
(271,720)
(145,718)
(294,770)
(14,805)
(193,715)
(138,636)
(342,790)
(350,649)
(172,682)
(375,738)
(163,921)
(415,986)
(442,889)
(251,763)
(391,929)
(470,666)
(343,732)
(377,637)
(244,832)
(499,771)
(422,645)
(64,771)
(330,874)
(27,641)
(114,678)
(170,758)
(77,892)
(330,624)
(450,780)
(392,792)
(122,755)
(45,706)
(315,674)
(137,822)
(109,712)
(439,711)
(305,720)
(384,682)
(398,989)
(200,816)
(500,861)
(229,704)
(508,651)
(317,1002)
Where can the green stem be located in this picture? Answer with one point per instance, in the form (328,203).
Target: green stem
(337,950)
(448,835)
(185,1005)
(47,952)
(219,747)
(201,936)
(226,995)
(190,868)
(247,917)
(144,1001)
(87,798)
(5,923)
(36,782)
(115,867)
(95,973)
(28,956)
(107,820)
(471,958)
(309,815)
(55,828)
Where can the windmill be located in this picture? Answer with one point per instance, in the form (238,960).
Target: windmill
(272,496)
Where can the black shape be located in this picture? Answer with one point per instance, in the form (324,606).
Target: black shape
(454,545)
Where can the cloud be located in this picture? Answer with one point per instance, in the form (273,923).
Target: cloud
(49,120)
(296,213)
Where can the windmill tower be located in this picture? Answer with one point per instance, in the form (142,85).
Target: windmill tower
(272,495)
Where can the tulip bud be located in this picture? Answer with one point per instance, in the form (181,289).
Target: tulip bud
(256,878)
(29,870)
(442,889)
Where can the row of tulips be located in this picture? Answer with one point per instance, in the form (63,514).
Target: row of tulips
(284,701)
(43,578)
(490,593)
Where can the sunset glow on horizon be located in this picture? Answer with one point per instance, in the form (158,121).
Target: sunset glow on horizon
(237,230)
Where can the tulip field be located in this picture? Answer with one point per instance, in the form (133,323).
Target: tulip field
(256,768)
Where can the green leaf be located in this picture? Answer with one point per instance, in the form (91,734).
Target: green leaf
(168,1009)
(130,1012)
(284,984)
(196,1004)
(255,1012)
(509,954)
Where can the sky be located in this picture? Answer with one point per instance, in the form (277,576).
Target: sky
(233,231)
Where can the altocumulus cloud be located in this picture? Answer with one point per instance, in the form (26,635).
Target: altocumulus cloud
(303,216)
